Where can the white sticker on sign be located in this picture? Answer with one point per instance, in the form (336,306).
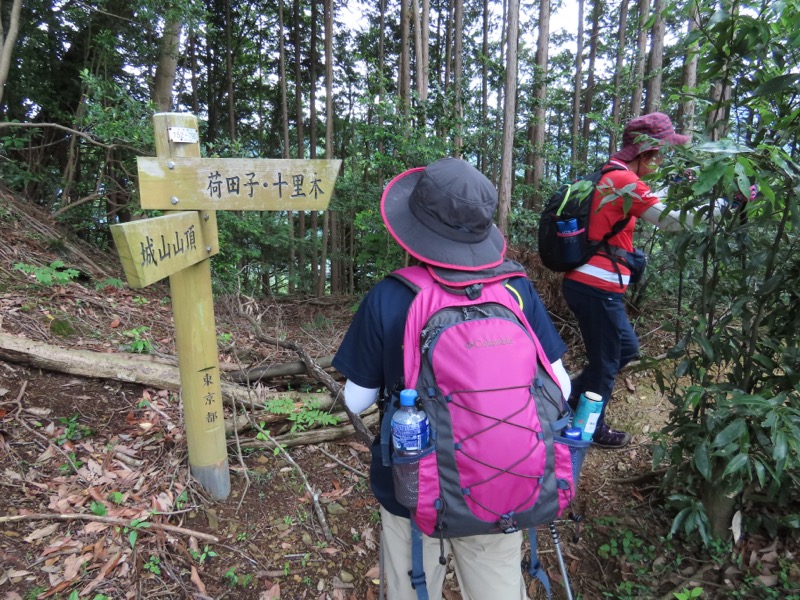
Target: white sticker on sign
(183,135)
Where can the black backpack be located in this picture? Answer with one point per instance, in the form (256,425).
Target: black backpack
(572,201)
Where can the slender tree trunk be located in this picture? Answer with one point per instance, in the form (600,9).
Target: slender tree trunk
(510,119)
(588,97)
(229,68)
(482,152)
(641,55)
(448,45)
(417,32)
(285,153)
(717,119)
(616,101)
(297,222)
(656,59)
(494,173)
(685,120)
(316,250)
(7,42)
(423,66)
(404,72)
(458,73)
(164,79)
(540,102)
(381,75)
(576,96)
(329,221)
(192,58)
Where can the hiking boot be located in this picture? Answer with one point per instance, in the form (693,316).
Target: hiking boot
(605,437)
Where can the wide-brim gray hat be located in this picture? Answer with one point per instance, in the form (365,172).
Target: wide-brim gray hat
(443,215)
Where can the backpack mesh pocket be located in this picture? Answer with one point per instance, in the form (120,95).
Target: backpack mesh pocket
(577,454)
(405,475)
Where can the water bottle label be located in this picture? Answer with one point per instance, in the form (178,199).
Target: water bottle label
(410,437)
(591,422)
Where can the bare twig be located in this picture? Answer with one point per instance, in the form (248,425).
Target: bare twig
(110,520)
(344,464)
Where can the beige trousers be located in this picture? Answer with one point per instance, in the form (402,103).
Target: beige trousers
(488,567)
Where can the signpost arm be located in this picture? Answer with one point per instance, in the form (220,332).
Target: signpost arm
(195,335)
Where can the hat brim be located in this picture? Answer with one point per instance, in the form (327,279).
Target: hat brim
(428,246)
(628,153)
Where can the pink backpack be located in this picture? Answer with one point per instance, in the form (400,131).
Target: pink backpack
(497,462)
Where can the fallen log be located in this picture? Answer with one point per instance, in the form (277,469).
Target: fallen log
(129,369)
(314,436)
(297,367)
(144,371)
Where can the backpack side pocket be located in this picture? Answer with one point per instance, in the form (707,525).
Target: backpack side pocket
(569,455)
(406,474)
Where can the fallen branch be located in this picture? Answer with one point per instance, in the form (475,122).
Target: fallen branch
(315,436)
(276,370)
(110,520)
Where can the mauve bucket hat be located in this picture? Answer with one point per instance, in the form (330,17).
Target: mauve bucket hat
(442,214)
(648,132)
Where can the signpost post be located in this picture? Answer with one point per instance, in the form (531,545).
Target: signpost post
(179,245)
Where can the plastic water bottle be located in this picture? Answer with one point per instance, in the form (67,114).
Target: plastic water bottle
(568,235)
(590,406)
(410,426)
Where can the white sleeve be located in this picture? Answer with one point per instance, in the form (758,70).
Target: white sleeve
(358,398)
(563,378)
(670,220)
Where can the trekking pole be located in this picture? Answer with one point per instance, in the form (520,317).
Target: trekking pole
(561,564)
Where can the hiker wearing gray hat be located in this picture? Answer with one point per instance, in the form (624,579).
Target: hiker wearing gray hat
(443,216)
(594,291)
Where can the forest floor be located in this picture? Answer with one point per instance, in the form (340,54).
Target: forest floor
(96,500)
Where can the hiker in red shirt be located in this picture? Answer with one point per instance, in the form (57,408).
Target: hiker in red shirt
(594,291)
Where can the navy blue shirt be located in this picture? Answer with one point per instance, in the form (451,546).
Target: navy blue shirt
(371,354)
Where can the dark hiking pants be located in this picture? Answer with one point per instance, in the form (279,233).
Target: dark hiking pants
(607,334)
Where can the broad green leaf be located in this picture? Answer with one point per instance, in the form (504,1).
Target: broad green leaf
(731,433)
(778,84)
(737,463)
(708,178)
(780,451)
(701,460)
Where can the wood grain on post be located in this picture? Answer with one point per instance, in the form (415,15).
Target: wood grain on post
(195,333)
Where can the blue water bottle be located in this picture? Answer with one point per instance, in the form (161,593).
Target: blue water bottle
(410,426)
(590,406)
(568,236)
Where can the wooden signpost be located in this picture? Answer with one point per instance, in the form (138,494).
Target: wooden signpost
(179,245)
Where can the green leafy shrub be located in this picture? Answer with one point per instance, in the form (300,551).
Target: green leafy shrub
(53,274)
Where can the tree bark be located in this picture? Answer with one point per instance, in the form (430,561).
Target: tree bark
(641,55)
(685,119)
(616,102)
(656,59)
(590,80)
(458,72)
(229,70)
(7,43)
(576,96)
(164,79)
(540,103)
(510,119)
(404,72)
